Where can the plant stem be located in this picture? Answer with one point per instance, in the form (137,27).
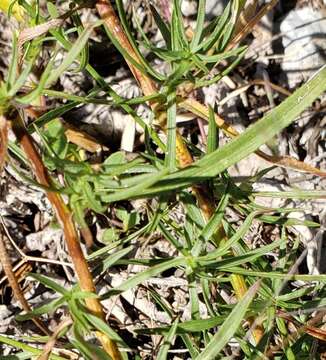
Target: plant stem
(65,217)
(148,86)
(3,141)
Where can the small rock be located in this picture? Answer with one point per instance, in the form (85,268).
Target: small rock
(215,7)
(304,44)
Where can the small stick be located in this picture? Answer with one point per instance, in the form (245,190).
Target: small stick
(53,338)
(27,258)
(13,282)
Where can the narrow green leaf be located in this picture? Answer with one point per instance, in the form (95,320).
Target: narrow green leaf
(165,31)
(229,326)
(103,327)
(113,258)
(215,35)
(222,250)
(293,194)
(144,275)
(72,54)
(84,55)
(199,24)
(90,351)
(33,351)
(19,82)
(44,309)
(249,256)
(276,275)
(12,71)
(50,115)
(167,234)
(179,38)
(207,297)
(213,133)
(229,29)
(163,352)
(50,283)
(216,219)
(186,327)
(226,71)
(29,98)
(222,56)
(137,190)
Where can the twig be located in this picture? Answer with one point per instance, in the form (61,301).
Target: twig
(51,342)
(27,258)
(13,282)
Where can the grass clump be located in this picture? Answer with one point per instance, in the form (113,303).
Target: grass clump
(269,315)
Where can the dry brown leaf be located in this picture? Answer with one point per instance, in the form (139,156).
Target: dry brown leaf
(247,14)
(82,139)
(309,329)
(315,332)
(247,29)
(289,162)
(33,32)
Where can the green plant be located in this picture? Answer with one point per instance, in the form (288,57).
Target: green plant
(211,250)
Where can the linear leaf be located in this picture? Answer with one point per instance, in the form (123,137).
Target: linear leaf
(72,54)
(199,24)
(229,326)
(163,353)
(144,275)
(212,138)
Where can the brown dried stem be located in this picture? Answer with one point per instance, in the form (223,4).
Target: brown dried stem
(247,29)
(53,338)
(13,282)
(65,217)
